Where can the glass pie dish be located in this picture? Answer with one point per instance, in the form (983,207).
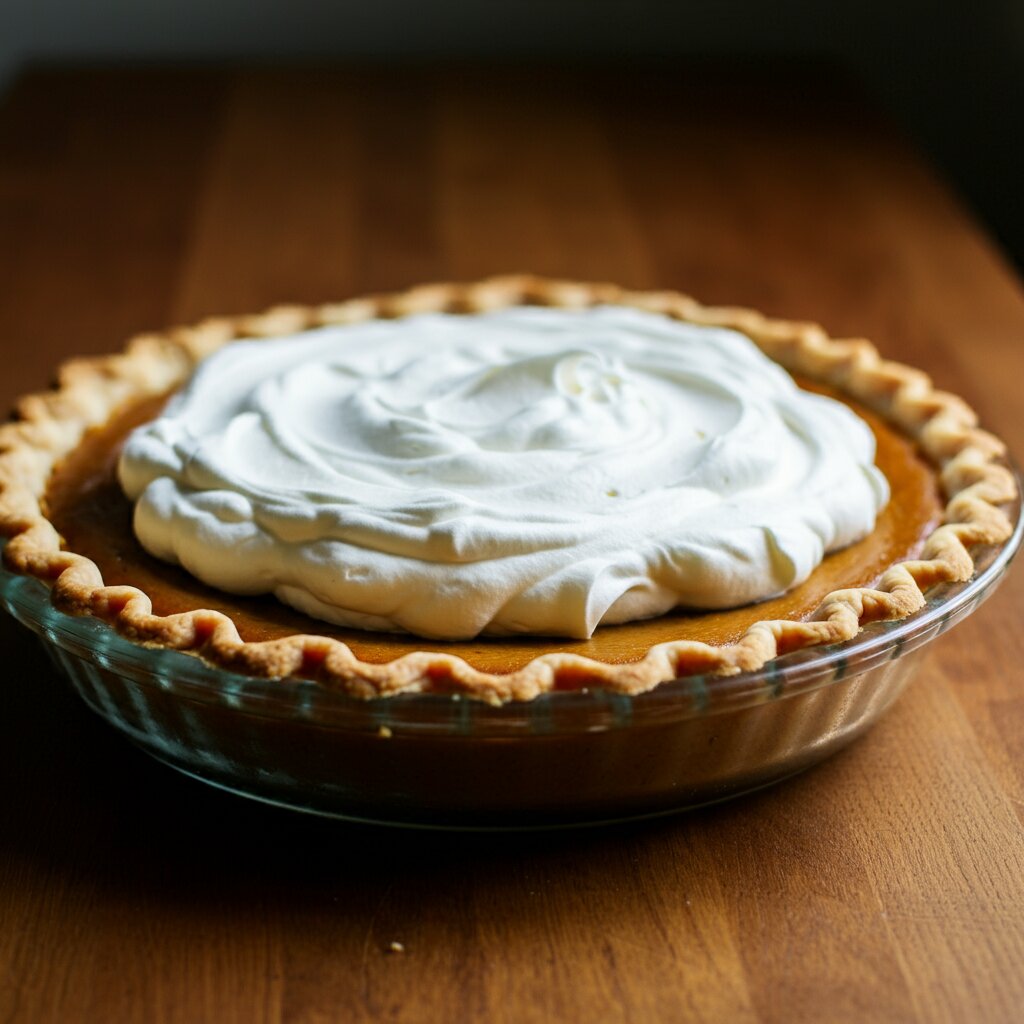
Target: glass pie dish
(446,761)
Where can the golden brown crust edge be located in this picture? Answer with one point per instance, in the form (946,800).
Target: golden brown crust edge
(89,391)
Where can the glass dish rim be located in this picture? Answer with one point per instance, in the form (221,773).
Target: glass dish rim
(189,676)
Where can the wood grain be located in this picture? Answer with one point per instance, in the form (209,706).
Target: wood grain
(888,884)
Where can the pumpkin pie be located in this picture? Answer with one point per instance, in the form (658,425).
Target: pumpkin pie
(68,460)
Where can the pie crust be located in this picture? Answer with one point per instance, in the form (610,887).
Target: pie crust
(90,391)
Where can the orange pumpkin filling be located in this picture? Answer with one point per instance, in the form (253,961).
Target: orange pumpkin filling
(86,505)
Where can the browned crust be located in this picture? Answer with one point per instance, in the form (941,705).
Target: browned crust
(89,391)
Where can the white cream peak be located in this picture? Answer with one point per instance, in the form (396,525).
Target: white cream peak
(524,471)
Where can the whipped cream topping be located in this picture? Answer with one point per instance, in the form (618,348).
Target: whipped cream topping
(523,471)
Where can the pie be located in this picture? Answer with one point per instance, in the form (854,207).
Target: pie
(69,522)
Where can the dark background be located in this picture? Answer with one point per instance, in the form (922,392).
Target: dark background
(950,73)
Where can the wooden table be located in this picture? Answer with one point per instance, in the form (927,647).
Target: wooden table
(887,884)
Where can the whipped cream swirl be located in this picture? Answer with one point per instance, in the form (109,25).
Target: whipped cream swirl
(522,471)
